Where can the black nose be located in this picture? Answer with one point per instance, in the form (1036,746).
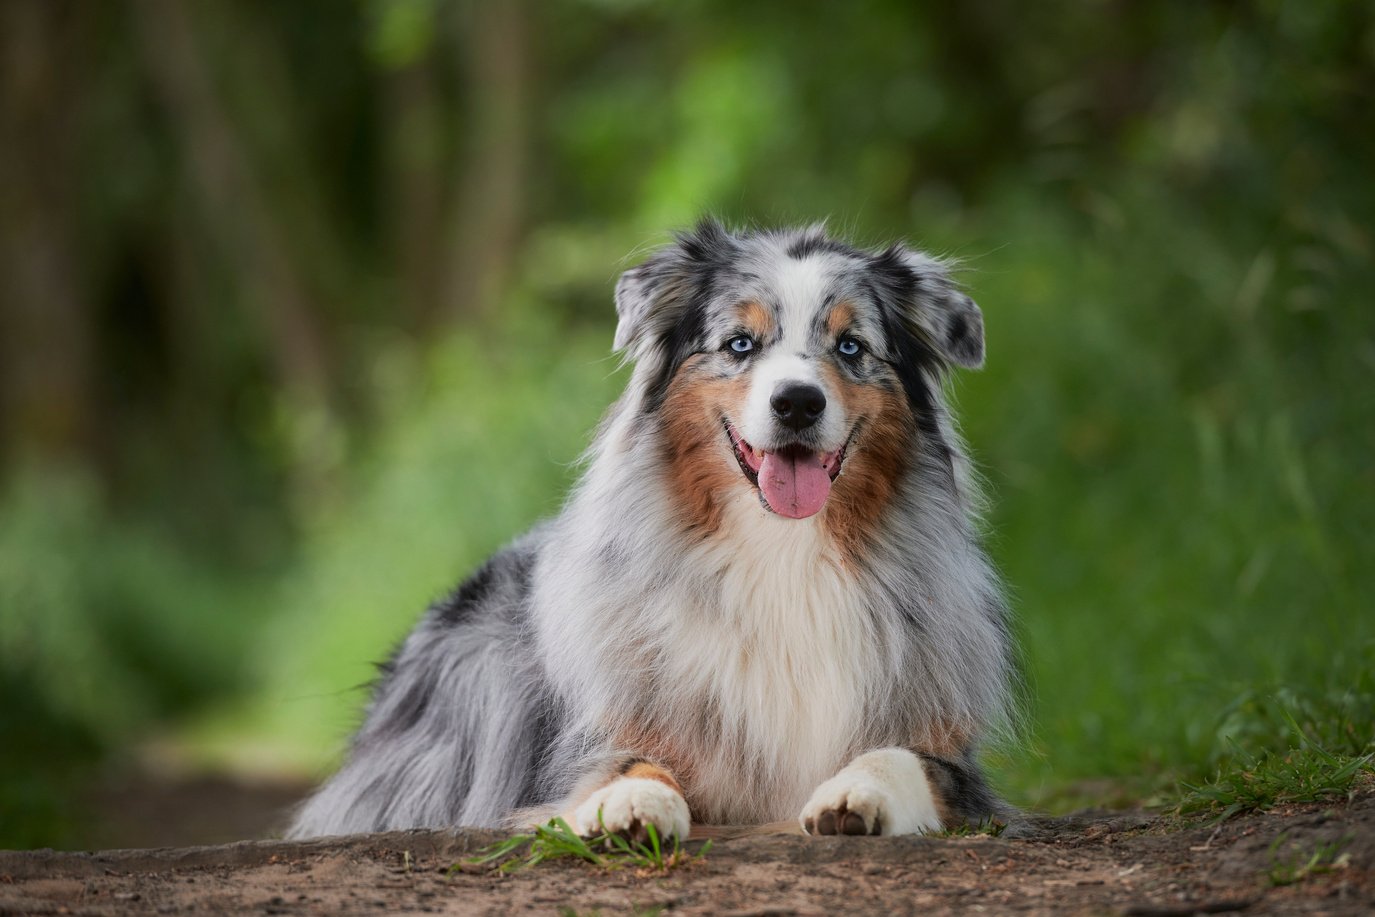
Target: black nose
(797,405)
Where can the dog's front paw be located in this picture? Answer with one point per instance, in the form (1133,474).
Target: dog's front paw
(882,792)
(842,805)
(628,805)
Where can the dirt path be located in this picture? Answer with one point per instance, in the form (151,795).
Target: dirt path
(1086,863)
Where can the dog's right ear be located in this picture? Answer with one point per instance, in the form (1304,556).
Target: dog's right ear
(650,297)
(636,293)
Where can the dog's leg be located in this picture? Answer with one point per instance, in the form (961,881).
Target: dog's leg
(642,794)
(881,792)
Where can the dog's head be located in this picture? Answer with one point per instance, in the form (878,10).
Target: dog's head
(792,364)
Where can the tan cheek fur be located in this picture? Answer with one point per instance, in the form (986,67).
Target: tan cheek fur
(874,463)
(701,469)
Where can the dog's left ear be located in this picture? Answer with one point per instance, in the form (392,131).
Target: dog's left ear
(932,305)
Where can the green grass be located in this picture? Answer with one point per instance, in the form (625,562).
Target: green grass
(1294,866)
(1305,771)
(1288,745)
(556,840)
(1171,441)
(1250,781)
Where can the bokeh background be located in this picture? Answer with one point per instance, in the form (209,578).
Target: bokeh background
(307,307)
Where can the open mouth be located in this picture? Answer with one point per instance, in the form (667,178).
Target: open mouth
(793,481)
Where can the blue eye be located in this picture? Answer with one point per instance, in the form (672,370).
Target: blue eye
(849,347)
(741,343)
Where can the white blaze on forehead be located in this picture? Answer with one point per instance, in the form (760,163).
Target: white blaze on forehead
(799,288)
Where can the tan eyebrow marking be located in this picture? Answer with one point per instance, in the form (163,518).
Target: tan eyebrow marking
(757,320)
(841,317)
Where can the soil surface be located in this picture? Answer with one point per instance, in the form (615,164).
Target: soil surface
(1091,862)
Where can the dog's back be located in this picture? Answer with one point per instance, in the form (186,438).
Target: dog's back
(460,717)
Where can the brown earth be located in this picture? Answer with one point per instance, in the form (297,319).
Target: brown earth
(1092,862)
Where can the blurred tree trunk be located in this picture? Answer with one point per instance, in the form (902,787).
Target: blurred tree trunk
(235,206)
(416,218)
(46,322)
(489,210)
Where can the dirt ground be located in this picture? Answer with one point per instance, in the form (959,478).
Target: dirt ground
(1092,862)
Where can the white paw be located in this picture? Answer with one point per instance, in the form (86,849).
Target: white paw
(882,792)
(628,804)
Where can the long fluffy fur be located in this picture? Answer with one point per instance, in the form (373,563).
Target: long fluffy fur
(676,620)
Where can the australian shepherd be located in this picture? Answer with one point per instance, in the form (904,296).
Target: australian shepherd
(764,601)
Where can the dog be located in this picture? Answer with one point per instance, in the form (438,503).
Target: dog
(765,600)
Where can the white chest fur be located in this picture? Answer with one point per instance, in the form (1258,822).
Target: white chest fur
(787,656)
(757,651)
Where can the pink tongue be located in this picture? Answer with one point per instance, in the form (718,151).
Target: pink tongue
(795,487)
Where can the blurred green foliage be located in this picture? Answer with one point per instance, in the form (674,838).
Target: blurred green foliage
(308,309)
